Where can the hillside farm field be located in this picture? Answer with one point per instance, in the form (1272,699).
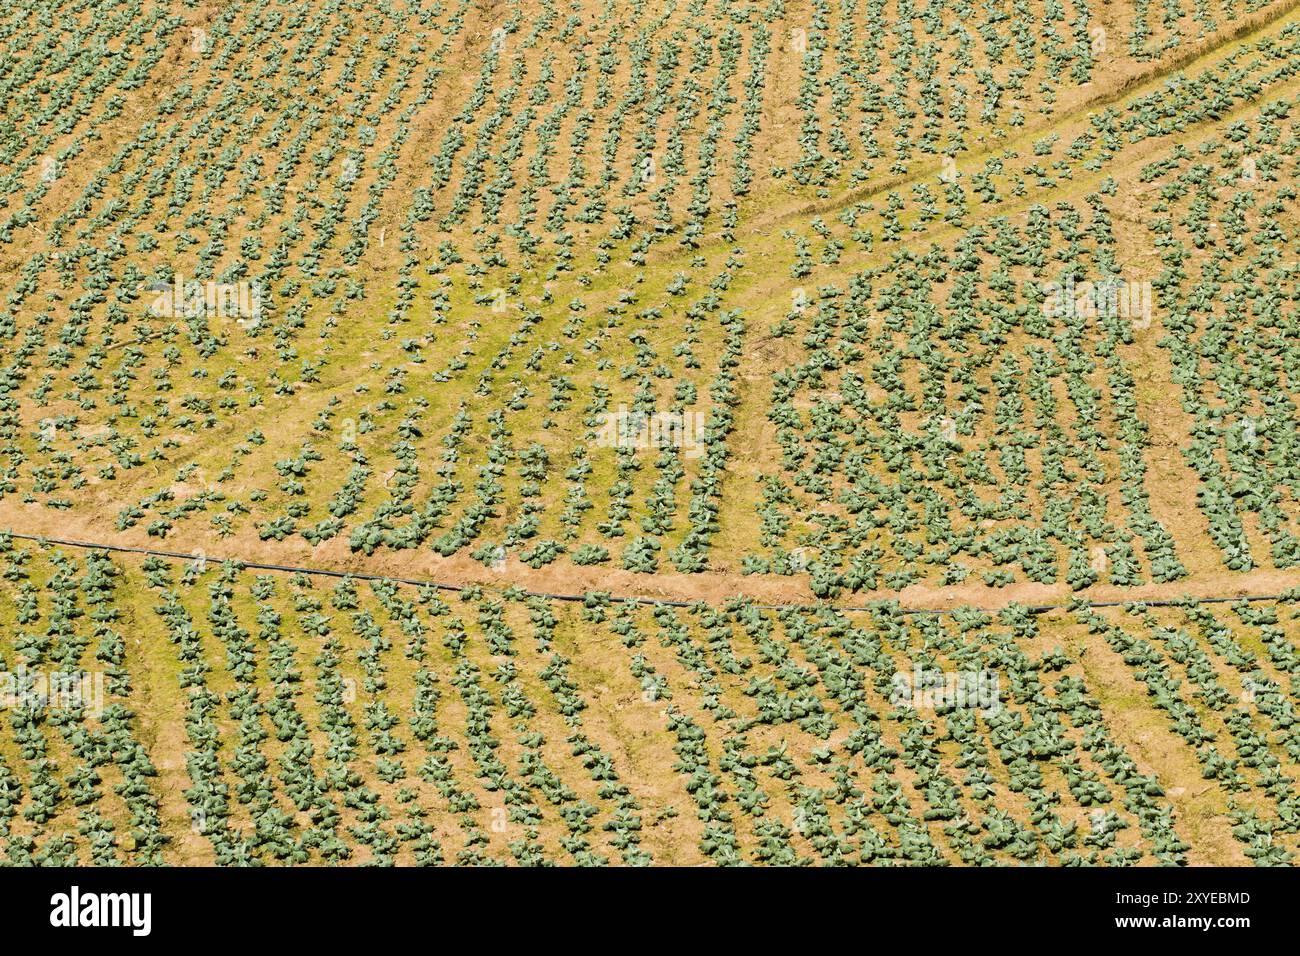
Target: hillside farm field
(728,432)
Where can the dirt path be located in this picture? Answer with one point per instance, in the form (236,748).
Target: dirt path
(422,567)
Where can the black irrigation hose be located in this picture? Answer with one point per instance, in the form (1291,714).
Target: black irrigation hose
(651,602)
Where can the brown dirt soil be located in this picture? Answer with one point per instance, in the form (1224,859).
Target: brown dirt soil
(713,587)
